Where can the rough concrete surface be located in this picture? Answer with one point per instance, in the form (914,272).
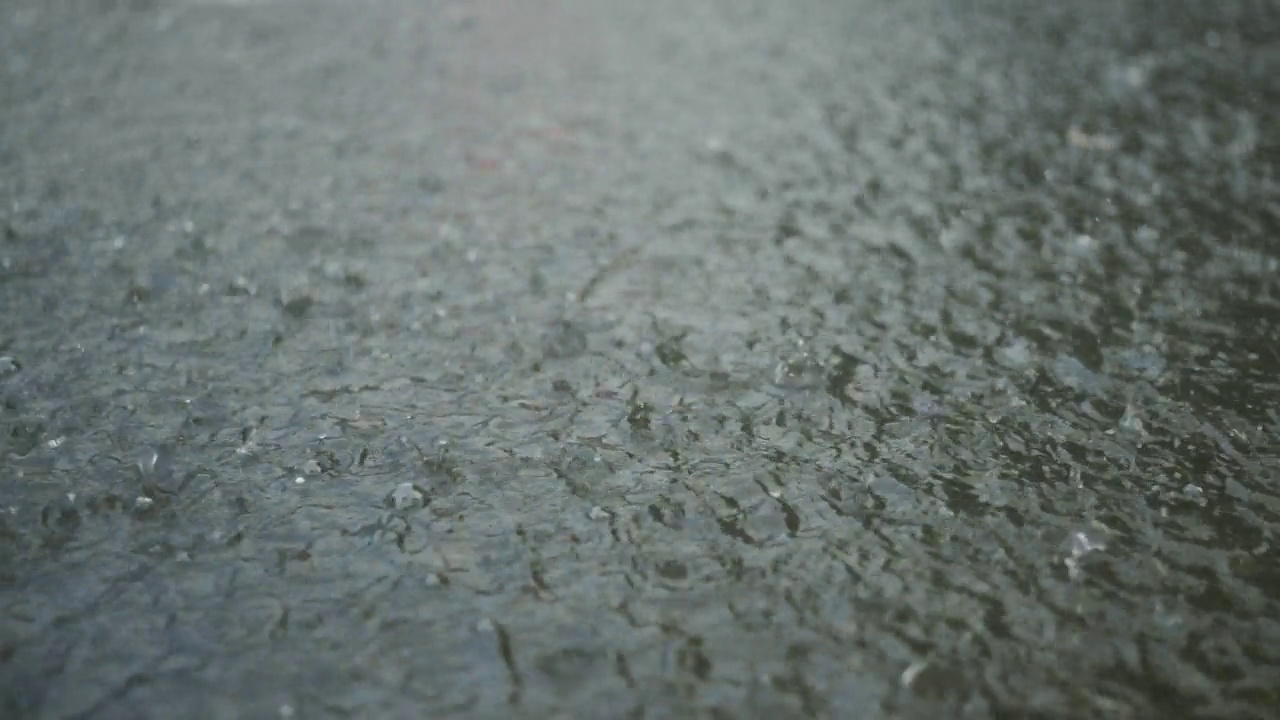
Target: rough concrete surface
(585,359)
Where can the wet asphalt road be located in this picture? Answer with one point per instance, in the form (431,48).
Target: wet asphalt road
(569,359)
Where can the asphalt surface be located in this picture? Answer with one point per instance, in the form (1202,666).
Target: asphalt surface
(570,359)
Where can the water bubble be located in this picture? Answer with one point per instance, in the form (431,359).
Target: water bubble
(406,496)
(1195,493)
(799,372)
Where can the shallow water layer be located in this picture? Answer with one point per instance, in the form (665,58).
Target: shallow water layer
(609,360)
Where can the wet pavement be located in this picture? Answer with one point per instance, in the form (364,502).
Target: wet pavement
(569,359)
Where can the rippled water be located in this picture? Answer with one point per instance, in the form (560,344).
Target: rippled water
(709,359)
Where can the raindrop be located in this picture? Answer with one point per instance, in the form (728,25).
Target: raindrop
(1082,543)
(147,463)
(933,680)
